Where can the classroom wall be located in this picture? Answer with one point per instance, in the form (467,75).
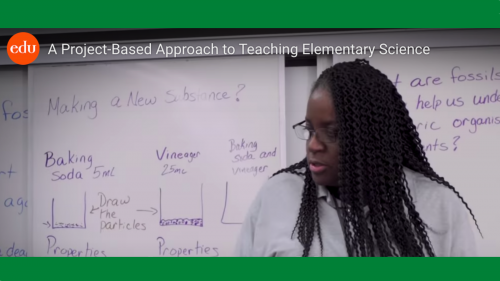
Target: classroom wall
(299,81)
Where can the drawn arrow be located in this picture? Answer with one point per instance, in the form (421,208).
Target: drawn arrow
(93,209)
(47,224)
(153,210)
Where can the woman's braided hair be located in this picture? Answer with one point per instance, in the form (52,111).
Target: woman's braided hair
(377,138)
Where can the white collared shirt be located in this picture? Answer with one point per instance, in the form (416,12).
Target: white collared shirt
(267,229)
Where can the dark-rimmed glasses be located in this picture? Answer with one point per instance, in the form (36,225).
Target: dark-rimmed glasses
(324,135)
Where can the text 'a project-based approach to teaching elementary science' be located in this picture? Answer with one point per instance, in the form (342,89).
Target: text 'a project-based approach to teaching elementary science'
(210,49)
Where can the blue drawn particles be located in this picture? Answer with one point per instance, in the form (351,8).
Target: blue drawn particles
(192,222)
(67,225)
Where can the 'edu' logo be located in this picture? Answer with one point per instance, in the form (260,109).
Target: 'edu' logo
(23,48)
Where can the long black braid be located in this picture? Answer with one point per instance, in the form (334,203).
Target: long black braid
(377,138)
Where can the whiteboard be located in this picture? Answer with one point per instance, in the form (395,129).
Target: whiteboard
(151,158)
(14,214)
(445,93)
(299,81)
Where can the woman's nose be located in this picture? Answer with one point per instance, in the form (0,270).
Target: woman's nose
(314,144)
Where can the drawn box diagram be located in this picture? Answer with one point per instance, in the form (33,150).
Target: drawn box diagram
(181,207)
(234,212)
(69,213)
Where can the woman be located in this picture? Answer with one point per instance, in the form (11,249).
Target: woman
(365,188)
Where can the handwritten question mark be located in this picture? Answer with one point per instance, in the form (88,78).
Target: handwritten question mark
(242,86)
(455,142)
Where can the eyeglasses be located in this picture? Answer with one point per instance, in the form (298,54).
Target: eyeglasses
(324,135)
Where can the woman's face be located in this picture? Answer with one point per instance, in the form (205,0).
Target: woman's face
(322,155)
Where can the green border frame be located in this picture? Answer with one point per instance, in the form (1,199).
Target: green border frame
(255,14)
(248,269)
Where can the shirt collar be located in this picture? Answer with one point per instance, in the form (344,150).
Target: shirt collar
(323,192)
